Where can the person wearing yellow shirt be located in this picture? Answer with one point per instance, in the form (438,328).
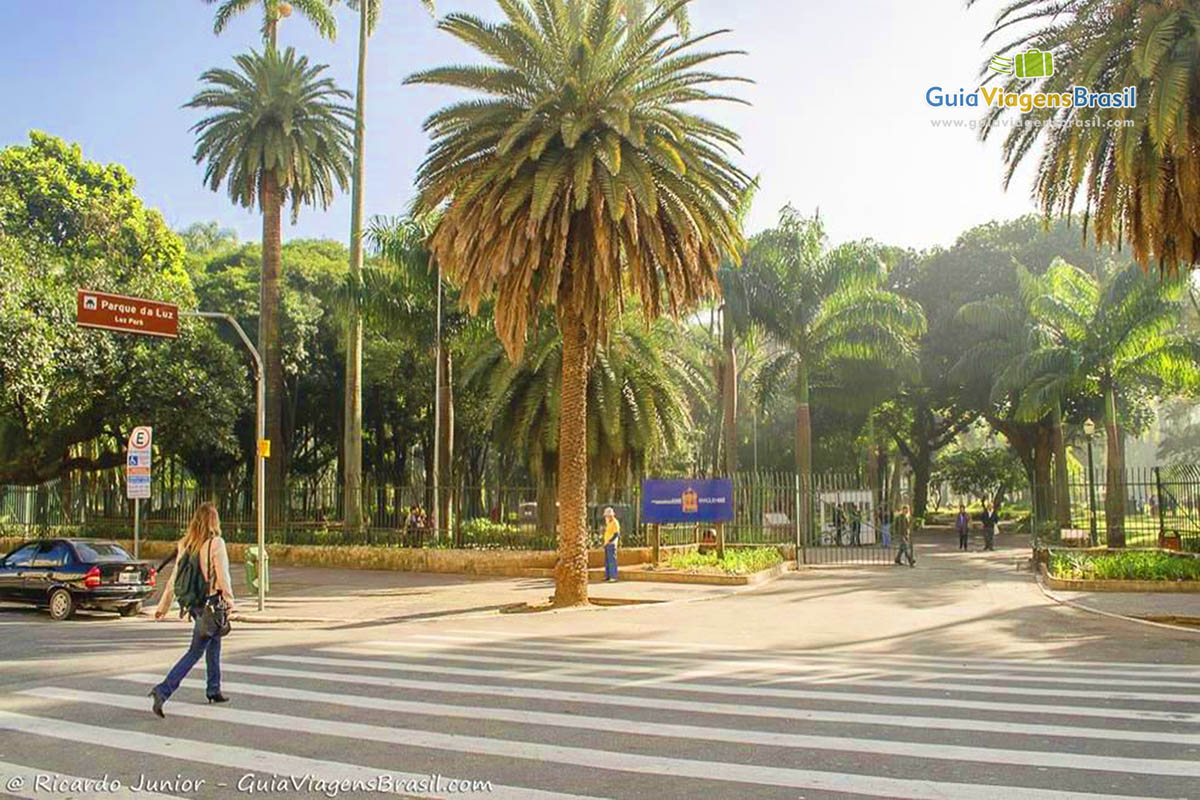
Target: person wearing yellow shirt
(612,536)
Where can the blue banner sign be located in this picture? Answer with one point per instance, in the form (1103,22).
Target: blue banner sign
(674,501)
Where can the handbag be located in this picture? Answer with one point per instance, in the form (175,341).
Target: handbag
(214,615)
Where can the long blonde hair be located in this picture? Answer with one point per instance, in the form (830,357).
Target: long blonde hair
(205,524)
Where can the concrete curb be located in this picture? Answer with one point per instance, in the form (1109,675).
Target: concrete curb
(1037,577)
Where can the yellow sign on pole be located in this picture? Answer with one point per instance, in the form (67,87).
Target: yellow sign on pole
(264,448)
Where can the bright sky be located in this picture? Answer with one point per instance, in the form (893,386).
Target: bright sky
(839,119)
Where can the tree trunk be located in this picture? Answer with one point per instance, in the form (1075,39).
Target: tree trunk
(446,446)
(920,488)
(804,452)
(570,579)
(1043,490)
(1114,496)
(354,334)
(730,395)
(268,342)
(1062,488)
(547,510)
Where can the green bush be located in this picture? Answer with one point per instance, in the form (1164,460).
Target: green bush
(738,560)
(1131,565)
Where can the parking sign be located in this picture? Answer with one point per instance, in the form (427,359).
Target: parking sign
(137,463)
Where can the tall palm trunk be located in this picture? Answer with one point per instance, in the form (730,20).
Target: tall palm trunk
(352,429)
(570,580)
(1114,496)
(268,340)
(446,445)
(1062,489)
(804,451)
(729,394)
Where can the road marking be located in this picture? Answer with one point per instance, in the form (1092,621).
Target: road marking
(723,650)
(661,680)
(911,789)
(866,661)
(751,670)
(730,709)
(922,750)
(32,789)
(263,763)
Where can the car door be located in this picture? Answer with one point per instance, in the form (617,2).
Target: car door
(11,580)
(47,562)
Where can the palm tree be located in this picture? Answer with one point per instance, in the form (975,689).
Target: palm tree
(1140,183)
(277,132)
(368,16)
(821,308)
(1113,336)
(315,11)
(585,171)
(637,390)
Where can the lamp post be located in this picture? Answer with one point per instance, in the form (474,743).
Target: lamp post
(1089,430)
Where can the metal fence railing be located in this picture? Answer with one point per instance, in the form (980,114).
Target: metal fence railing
(833,518)
(1161,509)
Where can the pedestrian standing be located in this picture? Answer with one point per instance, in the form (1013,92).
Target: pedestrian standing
(201,580)
(902,527)
(855,526)
(885,527)
(611,539)
(962,524)
(990,518)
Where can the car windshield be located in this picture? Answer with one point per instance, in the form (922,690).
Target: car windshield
(92,552)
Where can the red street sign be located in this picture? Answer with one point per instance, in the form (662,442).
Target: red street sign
(115,312)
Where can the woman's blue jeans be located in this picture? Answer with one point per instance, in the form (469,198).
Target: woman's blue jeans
(610,562)
(207,646)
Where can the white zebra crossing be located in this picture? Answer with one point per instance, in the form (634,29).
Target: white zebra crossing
(770,669)
(378,693)
(941,752)
(256,761)
(726,709)
(907,788)
(808,663)
(666,683)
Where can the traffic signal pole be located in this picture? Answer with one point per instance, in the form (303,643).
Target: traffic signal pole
(260,463)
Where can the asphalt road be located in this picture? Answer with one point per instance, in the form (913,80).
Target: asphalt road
(956,679)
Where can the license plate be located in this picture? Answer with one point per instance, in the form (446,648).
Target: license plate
(129,577)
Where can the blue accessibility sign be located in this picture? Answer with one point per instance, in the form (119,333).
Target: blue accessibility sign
(673,501)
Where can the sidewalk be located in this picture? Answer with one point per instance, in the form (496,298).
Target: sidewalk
(1166,607)
(341,597)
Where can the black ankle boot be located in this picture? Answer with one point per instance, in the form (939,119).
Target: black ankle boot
(218,698)
(158,703)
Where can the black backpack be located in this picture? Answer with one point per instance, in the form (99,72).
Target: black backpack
(191,589)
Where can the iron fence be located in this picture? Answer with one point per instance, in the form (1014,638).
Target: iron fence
(1161,509)
(830,518)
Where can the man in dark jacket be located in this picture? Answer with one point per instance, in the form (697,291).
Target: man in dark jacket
(990,519)
(902,532)
(962,524)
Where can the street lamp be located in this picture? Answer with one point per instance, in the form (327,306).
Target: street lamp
(1089,430)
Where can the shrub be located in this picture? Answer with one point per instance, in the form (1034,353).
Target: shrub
(738,560)
(1130,565)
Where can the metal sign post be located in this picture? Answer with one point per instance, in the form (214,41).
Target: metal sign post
(138,461)
(262,450)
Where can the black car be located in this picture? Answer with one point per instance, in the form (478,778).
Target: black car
(68,574)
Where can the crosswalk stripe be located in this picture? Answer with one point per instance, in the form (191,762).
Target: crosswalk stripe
(814,661)
(560,674)
(879,786)
(922,750)
(40,784)
(726,650)
(262,762)
(726,709)
(747,669)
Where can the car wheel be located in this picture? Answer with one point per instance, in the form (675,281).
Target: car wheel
(62,605)
(131,610)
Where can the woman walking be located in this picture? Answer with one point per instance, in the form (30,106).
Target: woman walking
(201,579)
